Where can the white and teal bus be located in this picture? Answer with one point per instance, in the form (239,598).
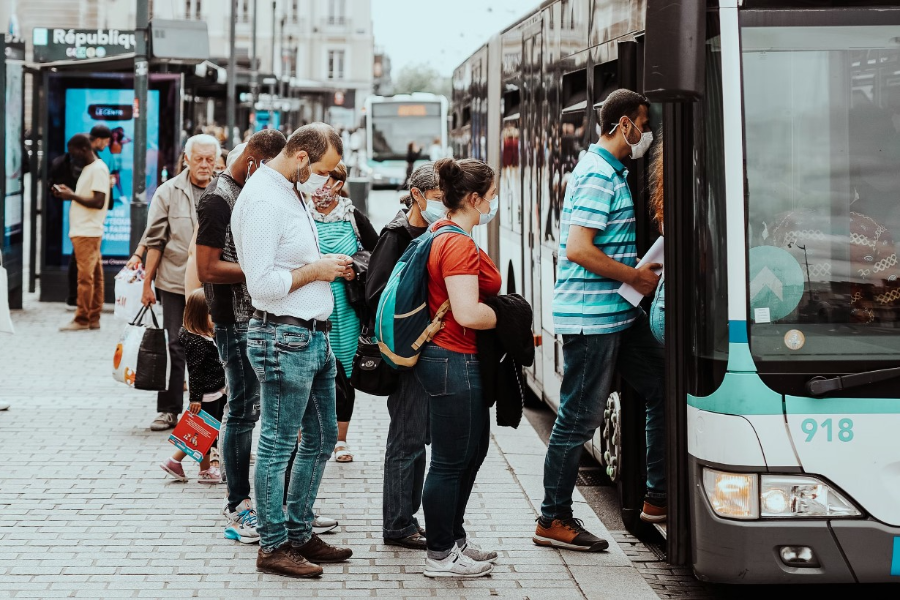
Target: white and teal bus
(394,122)
(780,122)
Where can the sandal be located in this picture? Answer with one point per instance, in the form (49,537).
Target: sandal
(342,453)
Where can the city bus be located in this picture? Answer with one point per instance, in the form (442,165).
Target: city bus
(779,123)
(392,123)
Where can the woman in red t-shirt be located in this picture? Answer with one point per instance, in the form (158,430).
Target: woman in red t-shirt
(448,368)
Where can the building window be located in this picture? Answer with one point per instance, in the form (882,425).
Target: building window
(197,9)
(187,9)
(295,11)
(335,64)
(336,12)
(245,11)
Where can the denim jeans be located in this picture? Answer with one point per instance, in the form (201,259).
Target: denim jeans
(296,370)
(404,457)
(589,362)
(243,410)
(460,434)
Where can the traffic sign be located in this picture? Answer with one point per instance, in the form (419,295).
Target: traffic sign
(776,281)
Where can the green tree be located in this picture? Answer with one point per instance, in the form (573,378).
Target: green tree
(421,78)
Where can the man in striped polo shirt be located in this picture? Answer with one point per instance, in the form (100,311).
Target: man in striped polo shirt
(602,332)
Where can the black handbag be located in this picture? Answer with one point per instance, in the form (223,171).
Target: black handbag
(356,289)
(370,373)
(151,372)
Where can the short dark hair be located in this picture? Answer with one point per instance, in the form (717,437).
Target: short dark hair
(459,178)
(621,103)
(79,141)
(314,139)
(100,132)
(266,144)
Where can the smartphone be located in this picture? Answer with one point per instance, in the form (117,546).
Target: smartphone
(57,189)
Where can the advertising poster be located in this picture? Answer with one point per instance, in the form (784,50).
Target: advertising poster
(86,107)
(14,160)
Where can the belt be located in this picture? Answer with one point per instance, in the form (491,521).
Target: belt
(312,325)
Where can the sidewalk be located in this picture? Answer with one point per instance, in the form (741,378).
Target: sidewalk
(89,514)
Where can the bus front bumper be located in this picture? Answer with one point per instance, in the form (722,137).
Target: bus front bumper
(844,550)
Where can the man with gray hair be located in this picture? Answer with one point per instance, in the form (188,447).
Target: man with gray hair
(170,228)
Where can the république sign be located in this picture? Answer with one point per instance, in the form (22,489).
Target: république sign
(52,44)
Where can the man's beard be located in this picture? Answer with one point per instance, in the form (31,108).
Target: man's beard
(302,175)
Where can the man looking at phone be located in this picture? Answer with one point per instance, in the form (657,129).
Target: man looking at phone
(86,216)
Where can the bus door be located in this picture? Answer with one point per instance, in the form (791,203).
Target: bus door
(533,186)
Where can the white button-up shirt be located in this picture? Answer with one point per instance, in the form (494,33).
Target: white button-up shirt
(274,234)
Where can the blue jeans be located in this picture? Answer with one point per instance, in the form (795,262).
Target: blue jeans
(404,457)
(460,434)
(243,410)
(296,370)
(589,362)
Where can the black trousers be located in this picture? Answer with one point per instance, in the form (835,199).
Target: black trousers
(72,298)
(215,409)
(172,400)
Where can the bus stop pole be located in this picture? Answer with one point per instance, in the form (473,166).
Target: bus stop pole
(231,89)
(141,69)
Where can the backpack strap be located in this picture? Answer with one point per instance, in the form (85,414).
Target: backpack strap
(355,226)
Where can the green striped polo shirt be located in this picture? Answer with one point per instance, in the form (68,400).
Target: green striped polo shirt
(597,197)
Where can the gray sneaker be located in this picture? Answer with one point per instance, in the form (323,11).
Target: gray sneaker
(163,421)
(456,565)
(323,524)
(475,553)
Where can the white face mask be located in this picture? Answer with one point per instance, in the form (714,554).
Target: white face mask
(487,217)
(638,150)
(314,182)
(434,210)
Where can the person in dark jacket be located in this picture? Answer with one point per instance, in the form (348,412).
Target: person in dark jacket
(502,352)
(404,458)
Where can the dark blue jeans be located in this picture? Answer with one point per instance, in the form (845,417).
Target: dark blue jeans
(589,362)
(404,457)
(460,434)
(296,370)
(243,410)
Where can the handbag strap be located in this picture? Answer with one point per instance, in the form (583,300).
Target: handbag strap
(139,317)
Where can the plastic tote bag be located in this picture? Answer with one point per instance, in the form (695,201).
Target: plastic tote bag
(6,325)
(129,289)
(141,359)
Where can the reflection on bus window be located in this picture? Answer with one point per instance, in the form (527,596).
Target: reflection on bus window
(822,123)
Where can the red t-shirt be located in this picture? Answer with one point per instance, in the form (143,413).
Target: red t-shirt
(457,254)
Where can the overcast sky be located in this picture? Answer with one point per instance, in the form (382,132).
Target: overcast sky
(441,33)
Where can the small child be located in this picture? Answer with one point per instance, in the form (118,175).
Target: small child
(206,378)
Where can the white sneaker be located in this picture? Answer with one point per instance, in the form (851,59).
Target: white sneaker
(241,523)
(474,552)
(324,524)
(457,564)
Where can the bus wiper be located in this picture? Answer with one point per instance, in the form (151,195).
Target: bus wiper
(817,386)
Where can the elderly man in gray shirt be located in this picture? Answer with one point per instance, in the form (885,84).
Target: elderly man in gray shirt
(287,344)
(170,228)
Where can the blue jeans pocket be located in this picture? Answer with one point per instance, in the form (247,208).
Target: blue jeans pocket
(292,340)
(256,353)
(432,374)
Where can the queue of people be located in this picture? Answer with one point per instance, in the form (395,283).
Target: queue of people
(271,336)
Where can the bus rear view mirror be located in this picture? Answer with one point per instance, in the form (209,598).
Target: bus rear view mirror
(673,52)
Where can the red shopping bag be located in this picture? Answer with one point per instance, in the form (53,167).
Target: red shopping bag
(195,434)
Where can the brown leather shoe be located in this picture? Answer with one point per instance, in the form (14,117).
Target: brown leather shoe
(318,551)
(285,560)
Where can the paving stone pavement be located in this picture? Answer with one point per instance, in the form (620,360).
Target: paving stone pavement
(89,514)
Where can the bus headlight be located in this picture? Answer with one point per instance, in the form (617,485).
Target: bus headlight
(800,496)
(732,495)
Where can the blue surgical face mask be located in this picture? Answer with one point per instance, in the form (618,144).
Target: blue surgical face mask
(434,210)
(487,217)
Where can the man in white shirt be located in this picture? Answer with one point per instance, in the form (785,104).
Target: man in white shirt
(86,216)
(287,345)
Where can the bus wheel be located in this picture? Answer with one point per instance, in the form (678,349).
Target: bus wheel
(612,437)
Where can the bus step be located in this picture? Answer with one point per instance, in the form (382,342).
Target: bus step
(661,528)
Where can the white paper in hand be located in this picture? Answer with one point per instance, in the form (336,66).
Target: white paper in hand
(655,254)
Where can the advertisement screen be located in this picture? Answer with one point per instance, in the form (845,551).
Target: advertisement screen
(15,162)
(87,107)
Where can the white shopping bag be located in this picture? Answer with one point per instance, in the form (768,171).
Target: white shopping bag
(126,355)
(129,289)
(6,325)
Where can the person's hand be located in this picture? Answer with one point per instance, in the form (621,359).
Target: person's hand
(63,191)
(332,266)
(195,408)
(148,296)
(350,275)
(134,262)
(644,279)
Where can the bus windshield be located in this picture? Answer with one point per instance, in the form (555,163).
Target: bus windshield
(822,129)
(396,124)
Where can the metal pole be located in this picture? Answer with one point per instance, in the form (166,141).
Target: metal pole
(274,4)
(230,89)
(254,64)
(141,69)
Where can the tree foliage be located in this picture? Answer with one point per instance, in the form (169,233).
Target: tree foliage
(421,78)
